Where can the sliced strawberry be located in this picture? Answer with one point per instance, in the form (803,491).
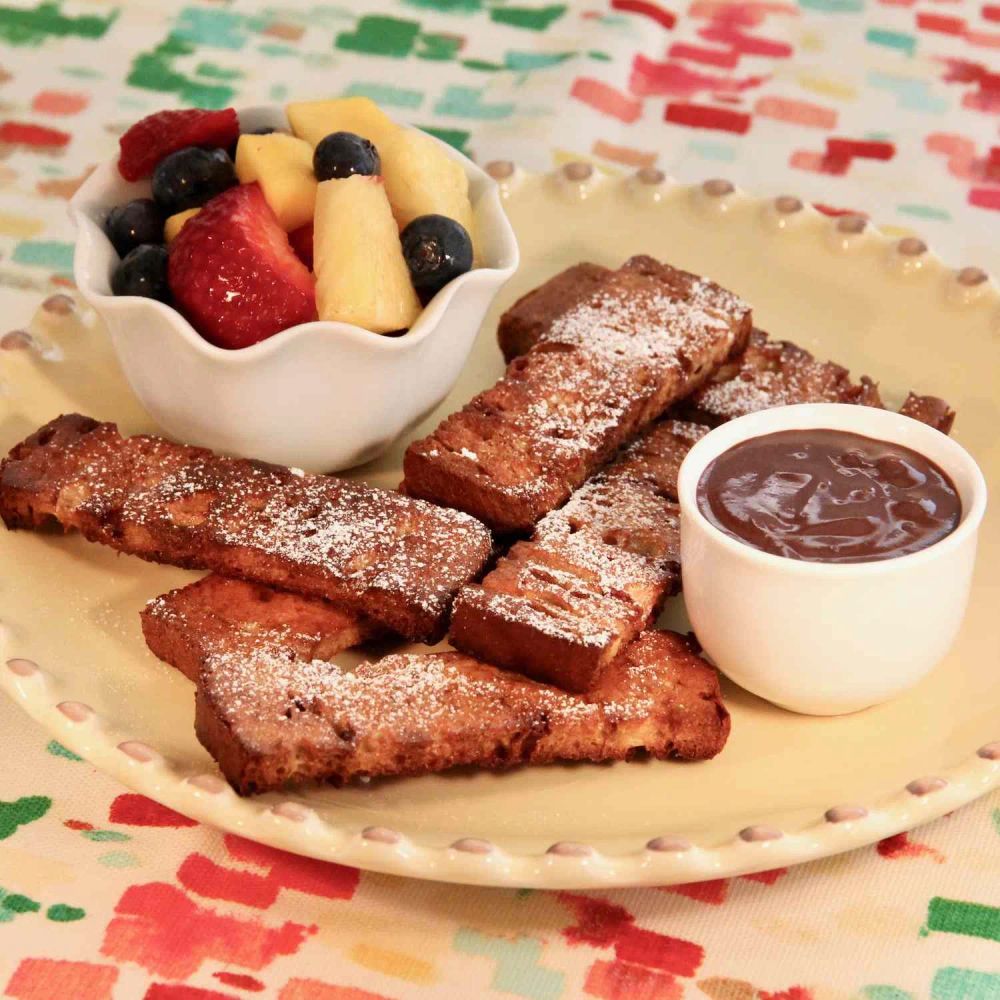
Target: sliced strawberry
(302,243)
(234,275)
(148,141)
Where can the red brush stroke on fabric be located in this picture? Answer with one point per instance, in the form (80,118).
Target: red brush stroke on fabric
(176,991)
(701,116)
(325,879)
(767,878)
(665,18)
(650,78)
(601,924)
(941,23)
(792,993)
(797,112)
(598,923)
(985,198)
(240,982)
(748,14)
(659,951)
(713,891)
(983,38)
(159,928)
(991,12)
(750,45)
(137,810)
(206,878)
(36,136)
(868,149)
(900,846)
(313,989)
(49,978)
(59,102)
(606,99)
(77,824)
(724,58)
(832,210)
(622,981)
(284,871)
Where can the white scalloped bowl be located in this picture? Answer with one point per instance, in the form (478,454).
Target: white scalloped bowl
(323,396)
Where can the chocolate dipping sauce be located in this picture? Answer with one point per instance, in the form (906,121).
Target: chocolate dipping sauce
(829,496)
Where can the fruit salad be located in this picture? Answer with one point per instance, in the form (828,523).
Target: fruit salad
(348,217)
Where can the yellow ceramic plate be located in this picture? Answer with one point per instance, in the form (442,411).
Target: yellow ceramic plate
(787,788)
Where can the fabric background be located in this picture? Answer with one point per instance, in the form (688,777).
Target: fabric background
(888,108)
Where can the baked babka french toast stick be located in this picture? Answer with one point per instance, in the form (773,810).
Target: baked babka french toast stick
(527,319)
(595,573)
(597,375)
(269,718)
(186,625)
(778,373)
(388,557)
(768,373)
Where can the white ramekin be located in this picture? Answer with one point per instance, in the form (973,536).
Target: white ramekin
(824,638)
(322,396)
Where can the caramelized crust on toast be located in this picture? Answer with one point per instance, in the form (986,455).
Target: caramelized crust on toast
(393,559)
(187,625)
(269,718)
(596,375)
(929,410)
(595,573)
(775,373)
(522,325)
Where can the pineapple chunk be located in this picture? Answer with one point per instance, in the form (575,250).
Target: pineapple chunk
(361,276)
(420,179)
(175,223)
(283,166)
(314,120)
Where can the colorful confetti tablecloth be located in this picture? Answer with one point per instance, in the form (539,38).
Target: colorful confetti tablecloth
(887,108)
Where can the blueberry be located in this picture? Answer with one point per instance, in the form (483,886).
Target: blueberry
(436,249)
(190,177)
(143,272)
(342,154)
(140,221)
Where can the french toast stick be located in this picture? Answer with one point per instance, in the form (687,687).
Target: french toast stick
(391,558)
(595,573)
(603,370)
(186,625)
(269,718)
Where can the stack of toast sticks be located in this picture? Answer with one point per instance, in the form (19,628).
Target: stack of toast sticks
(537,527)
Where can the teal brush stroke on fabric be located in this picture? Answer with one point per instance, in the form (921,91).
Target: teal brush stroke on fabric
(517,968)
(892,39)
(53,254)
(464,102)
(964,984)
(925,212)
(708,150)
(834,6)
(880,992)
(535,60)
(913,95)
(217,29)
(384,93)
(58,750)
